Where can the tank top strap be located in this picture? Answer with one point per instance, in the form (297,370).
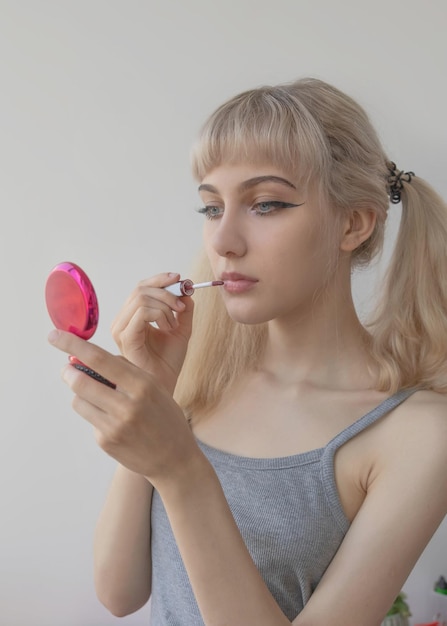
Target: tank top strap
(327,458)
(369,418)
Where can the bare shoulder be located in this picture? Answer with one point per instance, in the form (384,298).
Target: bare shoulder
(430,400)
(423,415)
(415,441)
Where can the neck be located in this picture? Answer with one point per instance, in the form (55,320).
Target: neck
(327,346)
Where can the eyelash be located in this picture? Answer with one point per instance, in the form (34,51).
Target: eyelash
(275,204)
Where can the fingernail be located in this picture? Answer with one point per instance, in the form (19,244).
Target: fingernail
(172,274)
(68,373)
(180,304)
(53,336)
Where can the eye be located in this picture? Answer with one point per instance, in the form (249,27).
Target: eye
(210,212)
(271,206)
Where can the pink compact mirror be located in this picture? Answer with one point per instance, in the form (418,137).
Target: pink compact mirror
(73,306)
(71,300)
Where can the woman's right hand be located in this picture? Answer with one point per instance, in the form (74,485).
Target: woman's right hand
(158,349)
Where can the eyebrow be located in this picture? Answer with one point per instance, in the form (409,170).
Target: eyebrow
(252,182)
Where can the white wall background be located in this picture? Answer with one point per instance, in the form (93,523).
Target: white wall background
(100,101)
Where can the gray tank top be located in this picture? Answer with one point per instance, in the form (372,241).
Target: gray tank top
(290,517)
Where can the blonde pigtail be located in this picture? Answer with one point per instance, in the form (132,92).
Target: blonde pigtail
(409,328)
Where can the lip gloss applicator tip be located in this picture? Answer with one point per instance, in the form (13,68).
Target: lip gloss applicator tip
(211,283)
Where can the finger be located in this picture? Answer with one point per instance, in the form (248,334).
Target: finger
(137,327)
(111,367)
(152,298)
(155,283)
(89,400)
(134,336)
(83,368)
(185,317)
(106,426)
(148,310)
(90,412)
(161,280)
(155,286)
(65,341)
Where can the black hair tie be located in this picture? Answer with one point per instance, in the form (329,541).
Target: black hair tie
(396,179)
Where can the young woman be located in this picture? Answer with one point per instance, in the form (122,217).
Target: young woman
(301,468)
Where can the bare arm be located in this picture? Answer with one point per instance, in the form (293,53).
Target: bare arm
(122,552)
(226,583)
(405,503)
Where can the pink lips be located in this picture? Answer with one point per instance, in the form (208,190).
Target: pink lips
(237,283)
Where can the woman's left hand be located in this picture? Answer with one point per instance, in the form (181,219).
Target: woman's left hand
(138,423)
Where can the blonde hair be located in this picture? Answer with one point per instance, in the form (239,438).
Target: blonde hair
(315,132)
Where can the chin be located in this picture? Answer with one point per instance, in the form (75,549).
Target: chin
(249,317)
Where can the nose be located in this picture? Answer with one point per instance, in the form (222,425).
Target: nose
(227,235)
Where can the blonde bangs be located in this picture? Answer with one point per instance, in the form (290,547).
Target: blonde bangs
(266,125)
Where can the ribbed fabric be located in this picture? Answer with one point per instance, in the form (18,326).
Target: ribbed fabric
(288,512)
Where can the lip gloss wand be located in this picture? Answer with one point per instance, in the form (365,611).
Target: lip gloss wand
(187,287)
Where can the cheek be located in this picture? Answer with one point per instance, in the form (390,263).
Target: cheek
(206,240)
(304,260)
(291,247)
(210,252)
